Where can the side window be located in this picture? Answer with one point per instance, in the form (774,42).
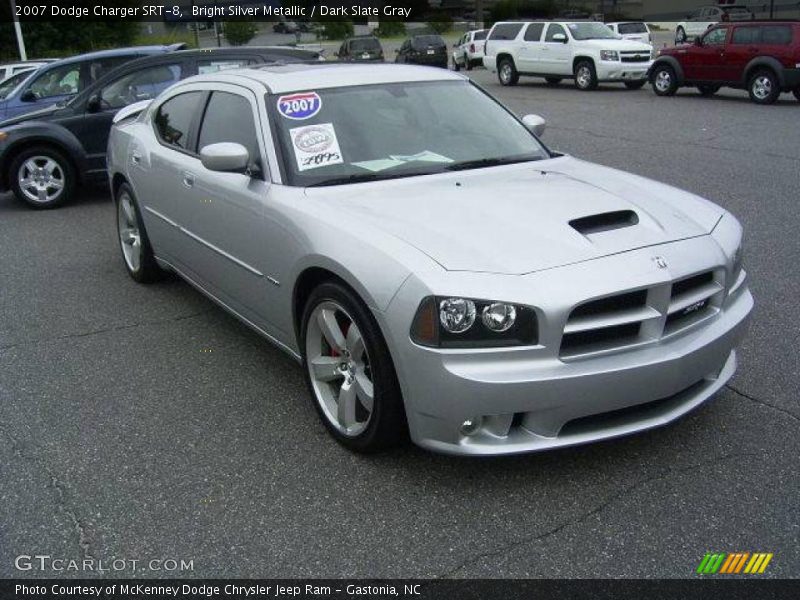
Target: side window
(715,37)
(174,119)
(534,32)
(229,118)
(212,66)
(139,85)
(57,82)
(776,34)
(505,31)
(552,30)
(746,35)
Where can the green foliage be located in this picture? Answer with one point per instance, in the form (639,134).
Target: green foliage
(390,29)
(505,10)
(335,30)
(49,39)
(440,22)
(178,36)
(239,33)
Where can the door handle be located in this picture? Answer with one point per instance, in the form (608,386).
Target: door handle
(188,179)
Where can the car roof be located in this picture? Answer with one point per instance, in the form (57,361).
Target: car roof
(321,75)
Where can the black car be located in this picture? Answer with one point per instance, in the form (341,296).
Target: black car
(427,50)
(45,154)
(361,48)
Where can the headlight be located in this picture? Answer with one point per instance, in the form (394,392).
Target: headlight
(609,55)
(451,322)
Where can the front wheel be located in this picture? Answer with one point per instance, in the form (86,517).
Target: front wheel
(764,87)
(635,85)
(585,76)
(507,72)
(349,371)
(137,253)
(664,81)
(42,177)
(796,93)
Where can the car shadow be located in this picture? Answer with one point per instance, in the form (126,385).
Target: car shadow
(83,196)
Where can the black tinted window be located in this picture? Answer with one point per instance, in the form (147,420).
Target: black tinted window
(776,34)
(365,45)
(174,118)
(229,118)
(534,32)
(632,28)
(746,35)
(553,30)
(480,35)
(505,31)
(140,85)
(425,41)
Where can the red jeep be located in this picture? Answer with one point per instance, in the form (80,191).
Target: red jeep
(761,57)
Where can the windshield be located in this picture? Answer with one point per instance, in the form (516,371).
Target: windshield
(632,28)
(393,130)
(12,82)
(591,31)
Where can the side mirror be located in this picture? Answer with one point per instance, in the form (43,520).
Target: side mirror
(226,157)
(560,37)
(94,104)
(535,124)
(28,96)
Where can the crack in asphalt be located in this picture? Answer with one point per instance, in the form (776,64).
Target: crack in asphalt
(92,332)
(596,510)
(788,413)
(60,488)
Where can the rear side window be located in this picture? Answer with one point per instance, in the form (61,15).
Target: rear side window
(173,120)
(480,35)
(776,34)
(139,85)
(229,118)
(534,32)
(632,28)
(746,35)
(57,82)
(505,31)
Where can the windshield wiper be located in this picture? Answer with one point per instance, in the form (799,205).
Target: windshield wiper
(364,177)
(489,162)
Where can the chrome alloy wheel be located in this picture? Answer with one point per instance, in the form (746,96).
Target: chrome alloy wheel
(339,368)
(584,76)
(762,87)
(505,73)
(663,80)
(41,179)
(130,238)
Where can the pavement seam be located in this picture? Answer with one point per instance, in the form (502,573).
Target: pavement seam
(596,510)
(93,332)
(788,413)
(61,492)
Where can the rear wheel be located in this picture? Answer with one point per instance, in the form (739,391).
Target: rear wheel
(635,85)
(552,80)
(708,90)
(585,76)
(456,66)
(42,177)
(664,81)
(764,87)
(350,372)
(133,241)
(680,36)
(796,93)
(507,72)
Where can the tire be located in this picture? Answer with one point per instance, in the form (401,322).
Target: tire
(42,177)
(796,93)
(764,87)
(456,66)
(343,346)
(680,36)
(665,82)
(708,90)
(137,253)
(585,76)
(635,85)
(507,73)
(467,63)
(552,80)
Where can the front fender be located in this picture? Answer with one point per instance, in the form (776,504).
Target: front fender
(32,133)
(672,62)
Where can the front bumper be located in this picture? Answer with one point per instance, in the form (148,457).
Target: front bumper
(531,399)
(621,71)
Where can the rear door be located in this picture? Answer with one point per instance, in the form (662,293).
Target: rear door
(531,49)
(742,48)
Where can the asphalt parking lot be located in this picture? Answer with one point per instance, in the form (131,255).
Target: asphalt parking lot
(142,422)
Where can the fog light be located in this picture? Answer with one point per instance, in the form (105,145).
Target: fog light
(471,426)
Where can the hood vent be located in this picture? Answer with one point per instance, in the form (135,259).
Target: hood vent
(604,222)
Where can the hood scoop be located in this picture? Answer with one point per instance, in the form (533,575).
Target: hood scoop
(607,221)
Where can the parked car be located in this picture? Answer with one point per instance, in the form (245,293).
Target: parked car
(286,27)
(635,31)
(468,50)
(9,69)
(429,50)
(761,57)
(45,154)
(361,48)
(489,298)
(586,51)
(700,20)
(63,79)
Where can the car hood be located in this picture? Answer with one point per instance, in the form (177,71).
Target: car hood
(42,114)
(622,45)
(522,218)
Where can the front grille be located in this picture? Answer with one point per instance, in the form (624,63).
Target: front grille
(635,57)
(640,316)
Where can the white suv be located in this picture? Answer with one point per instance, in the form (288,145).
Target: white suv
(468,50)
(587,51)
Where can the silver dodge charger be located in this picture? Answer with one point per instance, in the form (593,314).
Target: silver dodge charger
(436,269)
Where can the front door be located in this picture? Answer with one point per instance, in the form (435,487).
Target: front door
(706,62)
(556,54)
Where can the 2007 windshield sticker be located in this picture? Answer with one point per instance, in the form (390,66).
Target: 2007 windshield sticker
(315,146)
(300,106)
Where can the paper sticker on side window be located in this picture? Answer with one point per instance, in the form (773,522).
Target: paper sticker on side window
(315,146)
(299,106)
